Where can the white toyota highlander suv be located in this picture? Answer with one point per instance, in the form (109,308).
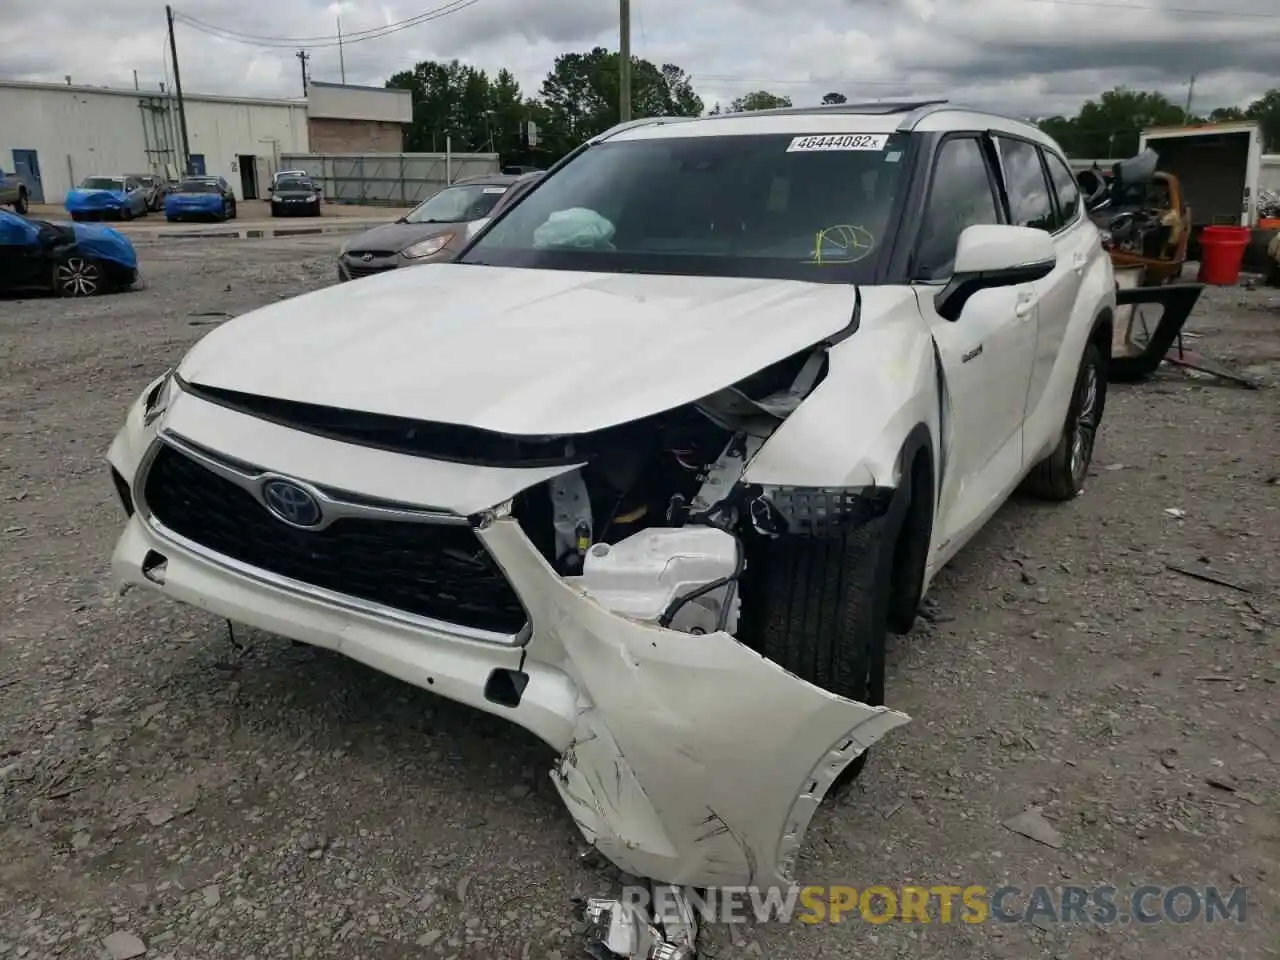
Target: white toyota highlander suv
(658,463)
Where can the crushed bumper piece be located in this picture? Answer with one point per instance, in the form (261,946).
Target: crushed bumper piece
(693,760)
(622,929)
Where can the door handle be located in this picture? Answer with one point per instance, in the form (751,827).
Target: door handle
(1025,306)
(1078,263)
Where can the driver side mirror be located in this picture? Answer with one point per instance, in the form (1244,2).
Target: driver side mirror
(989,256)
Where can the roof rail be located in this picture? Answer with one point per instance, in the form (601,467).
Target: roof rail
(641,122)
(868,108)
(919,112)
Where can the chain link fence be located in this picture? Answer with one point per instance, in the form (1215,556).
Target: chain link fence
(391,179)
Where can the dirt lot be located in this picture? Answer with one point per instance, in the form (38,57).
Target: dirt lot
(278,801)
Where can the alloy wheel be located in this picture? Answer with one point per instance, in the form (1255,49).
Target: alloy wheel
(1086,426)
(78,277)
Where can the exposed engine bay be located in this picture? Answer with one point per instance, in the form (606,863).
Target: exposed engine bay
(655,524)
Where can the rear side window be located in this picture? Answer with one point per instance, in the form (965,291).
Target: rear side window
(1029,198)
(1066,189)
(960,196)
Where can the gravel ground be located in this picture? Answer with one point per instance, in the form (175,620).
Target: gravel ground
(272,800)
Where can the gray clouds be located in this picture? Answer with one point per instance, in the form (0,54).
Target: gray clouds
(1030,57)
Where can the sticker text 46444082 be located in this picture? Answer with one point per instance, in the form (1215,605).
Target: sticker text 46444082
(839,141)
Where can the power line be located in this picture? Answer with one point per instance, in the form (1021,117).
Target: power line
(374,33)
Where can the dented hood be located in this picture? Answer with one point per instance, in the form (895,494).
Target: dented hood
(513,350)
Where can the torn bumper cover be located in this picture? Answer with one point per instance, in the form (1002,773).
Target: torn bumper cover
(686,758)
(693,760)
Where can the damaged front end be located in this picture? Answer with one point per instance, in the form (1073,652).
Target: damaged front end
(694,760)
(608,605)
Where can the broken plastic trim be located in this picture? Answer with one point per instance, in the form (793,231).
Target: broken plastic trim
(816,511)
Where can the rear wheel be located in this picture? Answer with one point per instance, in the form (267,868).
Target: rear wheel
(233,209)
(1061,475)
(22,204)
(126,213)
(77,276)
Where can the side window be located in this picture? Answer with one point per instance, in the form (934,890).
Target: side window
(1064,185)
(1029,202)
(960,196)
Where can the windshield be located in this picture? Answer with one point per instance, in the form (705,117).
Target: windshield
(293,184)
(457,204)
(102,183)
(777,206)
(197,186)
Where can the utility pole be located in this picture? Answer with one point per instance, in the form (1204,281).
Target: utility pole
(342,63)
(303,57)
(1191,92)
(177,89)
(624,60)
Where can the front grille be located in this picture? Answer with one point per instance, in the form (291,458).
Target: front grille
(358,269)
(378,254)
(430,570)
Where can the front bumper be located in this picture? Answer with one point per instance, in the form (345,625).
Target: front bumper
(686,759)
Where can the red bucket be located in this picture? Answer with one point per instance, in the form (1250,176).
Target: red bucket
(1221,253)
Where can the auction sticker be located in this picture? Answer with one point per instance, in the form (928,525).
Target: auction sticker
(839,141)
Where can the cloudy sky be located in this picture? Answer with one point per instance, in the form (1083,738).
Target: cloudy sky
(1030,57)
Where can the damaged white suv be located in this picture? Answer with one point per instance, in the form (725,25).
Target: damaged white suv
(654,468)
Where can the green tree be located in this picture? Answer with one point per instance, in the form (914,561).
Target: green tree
(1227,115)
(1265,111)
(759,100)
(579,97)
(831,98)
(1111,125)
(453,100)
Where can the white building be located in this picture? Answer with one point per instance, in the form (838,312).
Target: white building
(55,135)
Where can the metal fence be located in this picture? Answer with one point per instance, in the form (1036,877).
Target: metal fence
(394,179)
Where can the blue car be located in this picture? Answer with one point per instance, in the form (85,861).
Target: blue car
(202,198)
(71,259)
(118,198)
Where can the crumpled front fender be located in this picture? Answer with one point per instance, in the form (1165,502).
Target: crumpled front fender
(694,760)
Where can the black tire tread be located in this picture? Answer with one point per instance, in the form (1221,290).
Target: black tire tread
(816,620)
(1051,479)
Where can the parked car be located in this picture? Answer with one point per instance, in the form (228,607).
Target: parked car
(97,197)
(72,259)
(156,188)
(432,231)
(514,193)
(295,196)
(654,466)
(13,192)
(283,174)
(201,198)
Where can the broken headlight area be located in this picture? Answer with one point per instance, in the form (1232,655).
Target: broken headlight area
(157,398)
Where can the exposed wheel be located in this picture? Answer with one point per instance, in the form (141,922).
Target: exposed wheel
(22,204)
(76,276)
(233,209)
(818,608)
(1061,475)
(126,213)
(225,215)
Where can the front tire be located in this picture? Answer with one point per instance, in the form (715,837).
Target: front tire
(819,610)
(1061,475)
(22,204)
(126,213)
(79,276)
